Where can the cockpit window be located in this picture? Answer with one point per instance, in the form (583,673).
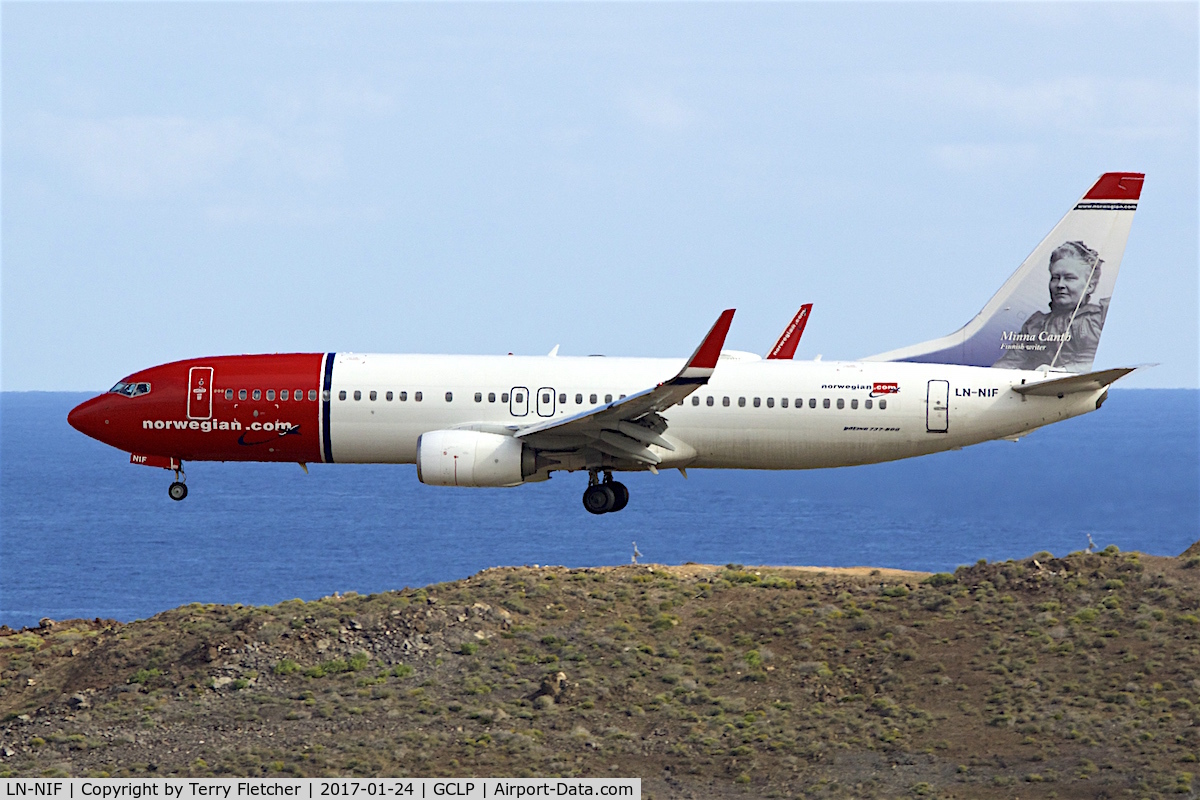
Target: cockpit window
(130,389)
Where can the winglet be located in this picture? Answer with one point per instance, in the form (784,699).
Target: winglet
(704,360)
(785,348)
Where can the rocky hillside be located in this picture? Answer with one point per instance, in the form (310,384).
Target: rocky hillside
(1067,677)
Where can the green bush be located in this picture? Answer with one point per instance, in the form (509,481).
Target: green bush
(286,667)
(145,675)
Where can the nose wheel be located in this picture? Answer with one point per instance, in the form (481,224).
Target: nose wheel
(178,490)
(603,497)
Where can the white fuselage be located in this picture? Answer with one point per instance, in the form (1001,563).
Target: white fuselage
(763,414)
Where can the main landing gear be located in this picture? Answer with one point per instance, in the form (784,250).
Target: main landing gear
(178,489)
(601,498)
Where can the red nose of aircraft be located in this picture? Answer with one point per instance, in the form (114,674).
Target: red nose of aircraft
(92,417)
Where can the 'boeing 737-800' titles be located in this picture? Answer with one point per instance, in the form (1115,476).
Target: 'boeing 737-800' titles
(1023,362)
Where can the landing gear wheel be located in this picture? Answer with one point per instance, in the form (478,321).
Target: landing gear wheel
(177,490)
(621,494)
(599,498)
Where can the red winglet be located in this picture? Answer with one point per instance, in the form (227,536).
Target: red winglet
(785,348)
(709,351)
(1117,186)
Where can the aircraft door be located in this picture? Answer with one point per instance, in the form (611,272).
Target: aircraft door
(199,402)
(545,402)
(518,404)
(937,407)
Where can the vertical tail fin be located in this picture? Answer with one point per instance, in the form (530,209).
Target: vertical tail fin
(1051,311)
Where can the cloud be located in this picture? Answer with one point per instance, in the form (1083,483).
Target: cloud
(974,158)
(1069,103)
(153,155)
(657,109)
(234,214)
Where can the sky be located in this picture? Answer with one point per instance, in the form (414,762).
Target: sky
(189,179)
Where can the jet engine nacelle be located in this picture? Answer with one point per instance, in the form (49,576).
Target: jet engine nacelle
(472,458)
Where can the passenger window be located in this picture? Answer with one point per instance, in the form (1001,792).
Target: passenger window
(562,399)
(546,398)
(757,402)
(229,394)
(257,394)
(342,394)
(520,397)
(403,396)
(825,402)
(799,402)
(388,397)
(578,399)
(741,402)
(725,402)
(867,403)
(417,397)
(373,395)
(708,401)
(449,397)
(608,398)
(854,403)
(324,395)
(299,395)
(841,403)
(479,397)
(782,402)
(882,405)
(312,394)
(283,394)
(593,400)
(812,402)
(622,397)
(491,397)
(357,394)
(695,400)
(270,394)
(504,397)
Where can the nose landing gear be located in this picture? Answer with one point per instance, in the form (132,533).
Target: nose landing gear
(601,498)
(178,489)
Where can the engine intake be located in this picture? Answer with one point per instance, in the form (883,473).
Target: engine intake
(473,458)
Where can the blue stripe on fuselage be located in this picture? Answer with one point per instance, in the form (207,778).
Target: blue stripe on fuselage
(326,397)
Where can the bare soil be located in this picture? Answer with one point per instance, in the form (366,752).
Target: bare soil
(1075,677)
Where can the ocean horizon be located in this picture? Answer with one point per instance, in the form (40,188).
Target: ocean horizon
(83,533)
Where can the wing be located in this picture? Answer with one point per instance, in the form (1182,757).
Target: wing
(785,348)
(626,428)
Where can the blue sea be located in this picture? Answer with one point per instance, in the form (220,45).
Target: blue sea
(86,534)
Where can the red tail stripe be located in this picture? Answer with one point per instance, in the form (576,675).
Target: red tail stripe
(1117,186)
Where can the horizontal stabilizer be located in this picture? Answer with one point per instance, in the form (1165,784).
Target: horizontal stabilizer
(1088,382)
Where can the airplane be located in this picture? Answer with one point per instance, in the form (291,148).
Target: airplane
(1024,361)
